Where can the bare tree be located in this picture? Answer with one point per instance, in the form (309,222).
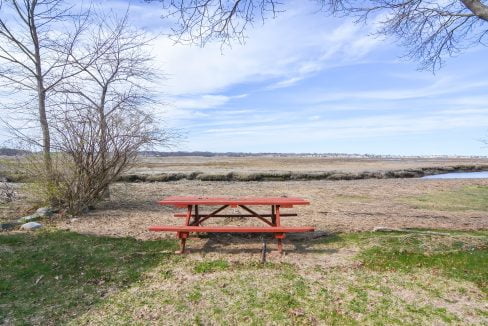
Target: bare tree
(116,70)
(33,57)
(429,29)
(105,115)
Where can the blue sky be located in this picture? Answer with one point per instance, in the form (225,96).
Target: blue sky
(306,82)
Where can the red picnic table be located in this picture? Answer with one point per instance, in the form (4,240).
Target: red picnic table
(194,217)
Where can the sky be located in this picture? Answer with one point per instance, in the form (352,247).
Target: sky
(306,82)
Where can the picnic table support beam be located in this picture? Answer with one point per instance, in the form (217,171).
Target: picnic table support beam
(210,215)
(256,215)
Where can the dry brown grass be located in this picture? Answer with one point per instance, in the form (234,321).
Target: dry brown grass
(224,164)
(336,206)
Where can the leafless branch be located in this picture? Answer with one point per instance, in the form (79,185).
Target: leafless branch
(430,30)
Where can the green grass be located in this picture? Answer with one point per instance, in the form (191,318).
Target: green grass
(48,277)
(211,266)
(454,259)
(460,255)
(466,198)
(392,279)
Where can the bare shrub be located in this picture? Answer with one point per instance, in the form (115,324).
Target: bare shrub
(86,171)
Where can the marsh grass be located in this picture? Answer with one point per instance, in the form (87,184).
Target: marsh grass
(462,199)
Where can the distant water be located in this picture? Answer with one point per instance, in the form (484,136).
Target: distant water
(459,175)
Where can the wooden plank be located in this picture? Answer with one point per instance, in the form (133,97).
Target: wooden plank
(231,229)
(183,201)
(233,215)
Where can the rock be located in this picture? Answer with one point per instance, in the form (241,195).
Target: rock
(41,212)
(28,218)
(73,220)
(9,225)
(30,226)
(44,211)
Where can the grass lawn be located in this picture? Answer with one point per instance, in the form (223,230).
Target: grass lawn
(51,276)
(58,277)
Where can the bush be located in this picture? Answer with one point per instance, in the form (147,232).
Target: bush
(214,177)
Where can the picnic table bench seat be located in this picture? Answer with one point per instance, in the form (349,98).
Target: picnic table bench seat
(231,229)
(237,215)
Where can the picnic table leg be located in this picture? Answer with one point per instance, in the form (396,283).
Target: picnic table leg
(188,215)
(184,235)
(279,236)
(278,216)
(273,216)
(197,216)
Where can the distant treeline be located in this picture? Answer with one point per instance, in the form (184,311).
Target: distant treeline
(5,151)
(341,155)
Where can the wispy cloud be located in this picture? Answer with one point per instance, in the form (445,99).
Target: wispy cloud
(202,101)
(289,48)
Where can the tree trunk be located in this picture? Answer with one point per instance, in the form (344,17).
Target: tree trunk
(41,95)
(103,139)
(477,8)
(46,137)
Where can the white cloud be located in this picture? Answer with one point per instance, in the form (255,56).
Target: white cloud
(440,86)
(291,47)
(353,128)
(199,102)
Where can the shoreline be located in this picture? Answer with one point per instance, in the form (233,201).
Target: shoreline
(300,176)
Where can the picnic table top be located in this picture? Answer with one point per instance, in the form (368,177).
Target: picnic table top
(198,200)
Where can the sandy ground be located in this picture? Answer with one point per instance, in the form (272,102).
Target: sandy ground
(225,164)
(336,206)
